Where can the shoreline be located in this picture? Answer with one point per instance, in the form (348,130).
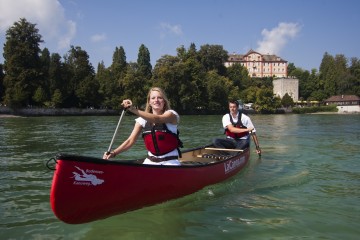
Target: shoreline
(6,112)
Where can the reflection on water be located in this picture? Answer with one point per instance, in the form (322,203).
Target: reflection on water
(306,184)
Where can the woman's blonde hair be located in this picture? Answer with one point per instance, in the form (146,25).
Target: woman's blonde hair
(163,95)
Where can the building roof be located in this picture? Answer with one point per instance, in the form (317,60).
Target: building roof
(341,98)
(265,57)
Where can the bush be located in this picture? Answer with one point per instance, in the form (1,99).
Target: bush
(329,108)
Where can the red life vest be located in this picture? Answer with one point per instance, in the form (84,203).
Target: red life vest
(238,124)
(159,140)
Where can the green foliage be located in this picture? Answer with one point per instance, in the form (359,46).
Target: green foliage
(239,75)
(2,87)
(143,62)
(57,98)
(135,86)
(39,96)
(287,101)
(22,63)
(213,57)
(266,101)
(196,81)
(218,88)
(290,68)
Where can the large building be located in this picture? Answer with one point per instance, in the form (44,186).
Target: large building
(260,65)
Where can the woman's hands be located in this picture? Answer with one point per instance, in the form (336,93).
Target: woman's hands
(127,104)
(108,155)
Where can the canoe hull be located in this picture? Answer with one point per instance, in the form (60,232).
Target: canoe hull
(85,189)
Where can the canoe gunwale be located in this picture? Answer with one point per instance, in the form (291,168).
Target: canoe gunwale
(139,162)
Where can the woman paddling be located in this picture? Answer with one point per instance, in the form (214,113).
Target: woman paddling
(159,127)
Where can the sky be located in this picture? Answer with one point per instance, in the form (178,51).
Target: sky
(298,31)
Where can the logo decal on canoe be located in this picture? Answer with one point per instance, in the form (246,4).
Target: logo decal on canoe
(87,178)
(233,164)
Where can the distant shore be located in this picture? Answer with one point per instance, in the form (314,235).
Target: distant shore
(6,112)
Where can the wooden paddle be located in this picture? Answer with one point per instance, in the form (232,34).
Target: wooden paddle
(116,130)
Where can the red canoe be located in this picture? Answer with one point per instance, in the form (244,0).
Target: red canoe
(86,189)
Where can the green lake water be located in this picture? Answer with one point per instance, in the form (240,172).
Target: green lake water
(306,185)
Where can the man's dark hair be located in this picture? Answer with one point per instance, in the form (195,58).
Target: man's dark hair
(235,102)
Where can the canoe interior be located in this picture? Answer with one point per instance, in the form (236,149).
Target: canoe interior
(204,155)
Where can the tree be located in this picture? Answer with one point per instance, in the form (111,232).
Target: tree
(167,74)
(213,57)
(354,70)
(328,74)
(266,101)
(57,80)
(40,96)
(107,86)
(239,75)
(119,64)
(218,88)
(88,93)
(22,63)
(44,74)
(287,101)
(144,64)
(134,86)
(192,81)
(290,68)
(57,98)
(82,78)
(2,90)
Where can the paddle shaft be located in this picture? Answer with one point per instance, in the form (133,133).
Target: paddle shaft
(116,130)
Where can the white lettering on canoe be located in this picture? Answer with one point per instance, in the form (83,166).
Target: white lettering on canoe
(233,164)
(94,171)
(86,178)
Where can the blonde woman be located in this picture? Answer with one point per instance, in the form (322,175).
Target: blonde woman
(159,127)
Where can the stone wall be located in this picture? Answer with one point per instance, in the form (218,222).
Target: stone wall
(287,85)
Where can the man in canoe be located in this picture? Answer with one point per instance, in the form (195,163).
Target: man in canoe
(238,128)
(159,127)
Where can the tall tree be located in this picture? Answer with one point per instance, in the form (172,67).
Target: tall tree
(22,63)
(134,86)
(218,88)
(109,87)
(57,82)
(290,68)
(118,66)
(83,83)
(213,57)
(354,70)
(144,64)
(328,74)
(167,75)
(44,74)
(239,75)
(2,88)
(343,76)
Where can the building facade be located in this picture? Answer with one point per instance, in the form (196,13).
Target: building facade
(260,65)
(345,103)
(287,85)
